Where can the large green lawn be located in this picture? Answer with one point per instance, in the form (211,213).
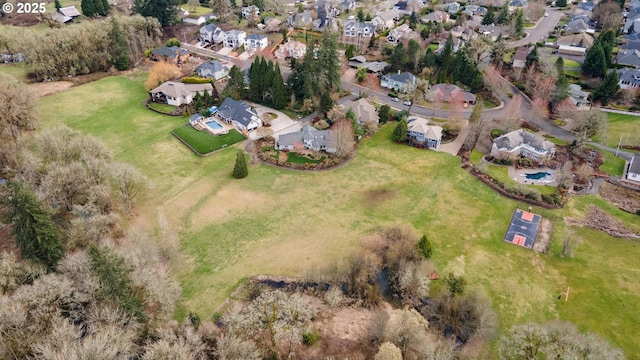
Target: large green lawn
(625,126)
(284,222)
(203,142)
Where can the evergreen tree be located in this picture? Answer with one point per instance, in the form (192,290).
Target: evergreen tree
(607,40)
(163,10)
(561,90)
(595,63)
(489,17)
(309,76)
(518,23)
(99,6)
(349,51)
(325,103)
(413,50)
(120,53)
(608,88)
(429,59)
(424,247)
(207,100)
(36,234)
(280,96)
(58,5)
(446,60)
(383,113)
(399,57)
(532,57)
(106,6)
(400,132)
(240,170)
(561,3)
(88,8)
(328,70)
(235,84)
(503,15)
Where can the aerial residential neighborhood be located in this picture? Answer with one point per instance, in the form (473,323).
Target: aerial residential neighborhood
(322,179)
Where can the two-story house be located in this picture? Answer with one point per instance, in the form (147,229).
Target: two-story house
(176,94)
(449,92)
(235,39)
(250,10)
(308,138)
(356,28)
(255,42)
(291,49)
(402,82)
(212,34)
(578,97)
(385,20)
(629,78)
(422,135)
(522,143)
(213,69)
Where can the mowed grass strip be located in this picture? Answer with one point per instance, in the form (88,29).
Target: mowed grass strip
(300,159)
(622,125)
(203,142)
(283,222)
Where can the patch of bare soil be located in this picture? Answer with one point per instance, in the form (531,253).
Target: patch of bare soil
(43,89)
(626,199)
(375,197)
(598,219)
(543,239)
(183,32)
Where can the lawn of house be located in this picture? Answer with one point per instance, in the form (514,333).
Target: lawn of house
(275,220)
(625,126)
(202,142)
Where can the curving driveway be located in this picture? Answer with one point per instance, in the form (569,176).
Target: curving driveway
(542,29)
(282,124)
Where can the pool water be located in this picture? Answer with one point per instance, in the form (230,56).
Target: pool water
(214,125)
(538,175)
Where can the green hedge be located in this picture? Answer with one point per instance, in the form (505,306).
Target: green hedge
(196,80)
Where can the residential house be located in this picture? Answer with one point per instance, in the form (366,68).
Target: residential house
(200,19)
(515,4)
(583,40)
(436,17)
(423,135)
(463,32)
(586,5)
(578,97)
(449,92)
(347,5)
(442,41)
(326,12)
(401,32)
(572,50)
(523,143)
(629,78)
(402,82)
(355,28)
(633,172)
(629,58)
(453,7)
(212,34)
(365,112)
(360,61)
(301,20)
(256,42)
(520,58)
(291,49)
(195,119)
(69,12)
(385,20)
(176,93)
(172,54)
(213,69)
(272,24)
(630,46)
(577,26)
(250,10)
(308,138)
(409,6)
(235,39)
(238,114)
(584,17)
(493,32)
(634,6)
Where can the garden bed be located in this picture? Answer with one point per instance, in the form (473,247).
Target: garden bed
(265,150)
(202,142)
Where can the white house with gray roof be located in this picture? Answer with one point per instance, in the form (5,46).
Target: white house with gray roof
(355,28)
(212,34)
(403,82)
(213,69)
(308,138)
(578,97)
(423,135)
(235,39)
(238,114)
(256,42)
(628,57)
(176,93)
(523,143)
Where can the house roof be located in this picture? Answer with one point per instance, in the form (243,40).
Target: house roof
(69,11)
(61,18)
(631,45)
(236,110)
(577,26)
(235,33)
(493,30)
(631,57)
(303,17)
(388,15)
(402,77)
(581,40)
(211,28)
(450,91)
(309,134)
(575,90)
(420,125)
(257,37)
(586,5)
(213,66)
(365,112)
(436,16)
(522,52)
(518,3)
(521,136)
(177,89)
(630,75)
(169,51)
(635,165)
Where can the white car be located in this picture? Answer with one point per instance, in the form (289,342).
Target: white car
(546,14)
(408,103)
(394,99)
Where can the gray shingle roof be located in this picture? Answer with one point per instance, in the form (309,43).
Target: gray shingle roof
(635,164)
(521,136)
(236,110)
(169,51)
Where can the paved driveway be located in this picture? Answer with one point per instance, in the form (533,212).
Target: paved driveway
(541,30)
(282,124)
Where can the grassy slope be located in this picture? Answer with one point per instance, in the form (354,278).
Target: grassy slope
(282,222)
(627,126)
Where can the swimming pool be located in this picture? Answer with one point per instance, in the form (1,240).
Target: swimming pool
(214,125)
(536,176)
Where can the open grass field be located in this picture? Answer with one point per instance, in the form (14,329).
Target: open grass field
(162,107)
(627,126)
(203,142)
(283,222)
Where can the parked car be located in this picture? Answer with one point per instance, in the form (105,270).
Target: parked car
(394,99)
(408,103)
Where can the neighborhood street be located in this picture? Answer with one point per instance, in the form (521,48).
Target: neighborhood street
(541,30)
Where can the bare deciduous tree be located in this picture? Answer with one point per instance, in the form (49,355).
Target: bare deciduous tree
(388,351)
(129,183)
(608,14)
(511,114)
(540,109)
(232,347)
(494,82)
(344,137)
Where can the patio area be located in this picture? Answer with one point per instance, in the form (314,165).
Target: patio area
(520,176)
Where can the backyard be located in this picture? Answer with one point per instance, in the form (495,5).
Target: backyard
(625,126)
(285,223)
(202,142)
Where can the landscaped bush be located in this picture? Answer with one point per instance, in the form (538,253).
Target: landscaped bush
(196,80)
(496,132)
(311,337)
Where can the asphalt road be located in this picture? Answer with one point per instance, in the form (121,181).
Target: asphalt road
(541,30)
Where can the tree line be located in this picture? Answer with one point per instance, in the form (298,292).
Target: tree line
(86,47)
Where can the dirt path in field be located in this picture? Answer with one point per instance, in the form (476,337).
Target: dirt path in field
(43,89)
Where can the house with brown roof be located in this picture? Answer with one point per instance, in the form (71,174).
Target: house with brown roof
(436,17)
(176,93)
(450,92)
(365,112)
(523,143)
(520,58)
(582,40)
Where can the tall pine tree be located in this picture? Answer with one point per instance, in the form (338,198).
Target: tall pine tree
(608,88)
(240,170)
(120,52)
(489,17)
(595,63)
(280,96)
(36,234)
